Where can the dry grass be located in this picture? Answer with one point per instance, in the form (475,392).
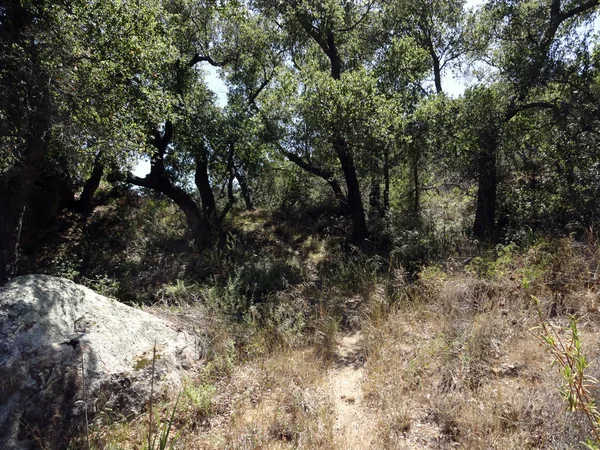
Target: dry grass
(451,361)
(463,368)
(275,402)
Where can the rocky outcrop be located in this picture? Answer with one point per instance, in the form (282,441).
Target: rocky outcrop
(57,336)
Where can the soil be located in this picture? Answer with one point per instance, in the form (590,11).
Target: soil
(355,422)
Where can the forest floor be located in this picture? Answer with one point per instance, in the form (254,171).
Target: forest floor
(416,380)
(352,352)
(464,370)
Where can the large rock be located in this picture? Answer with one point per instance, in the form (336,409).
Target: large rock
(48,326)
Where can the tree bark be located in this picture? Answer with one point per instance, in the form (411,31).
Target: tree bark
(84,204)
(485,212)
(16,184)
(437,72)
(357,213)
(158,180)
(245,188)
(209,206)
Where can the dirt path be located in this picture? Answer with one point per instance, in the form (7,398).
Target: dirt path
(355,423)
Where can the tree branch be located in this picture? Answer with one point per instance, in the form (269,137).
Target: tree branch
(514,110)
(579,9)
(205,58)
(359,21)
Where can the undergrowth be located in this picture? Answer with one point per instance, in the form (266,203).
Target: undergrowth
(448,354)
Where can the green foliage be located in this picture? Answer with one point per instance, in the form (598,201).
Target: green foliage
(330,104)
(102,73)
(253,278)
(201,397)
(179,293)
(511,260)
(162,440)
(572,364)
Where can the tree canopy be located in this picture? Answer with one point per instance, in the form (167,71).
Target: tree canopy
(350,97)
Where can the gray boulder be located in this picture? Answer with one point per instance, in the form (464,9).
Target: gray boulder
(49,327)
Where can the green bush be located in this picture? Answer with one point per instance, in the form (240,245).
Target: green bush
(253,282)
(201,397)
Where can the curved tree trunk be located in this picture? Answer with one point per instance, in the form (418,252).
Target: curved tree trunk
(158,180)
(84,204)
(326,174)
(162,184)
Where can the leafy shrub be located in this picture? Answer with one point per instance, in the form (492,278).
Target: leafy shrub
(201,397)
(352,272)
(253,281)
(179,293)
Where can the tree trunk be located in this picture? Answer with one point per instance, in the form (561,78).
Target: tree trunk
(355,205)
(437,72)
(16,184)
(485,212)
(186,203)
(245,189)
(84,204)
(416,182)
(326,174)
(327,42)
(158,180)
(357,212)
(230,195)
(209,206)
(12,203)
(386,180)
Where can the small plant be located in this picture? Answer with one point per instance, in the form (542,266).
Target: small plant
(326,336)
(572,364)
(179,293)
(201,397)
(158,440)
(65,267)
(103,285)
(220,362)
